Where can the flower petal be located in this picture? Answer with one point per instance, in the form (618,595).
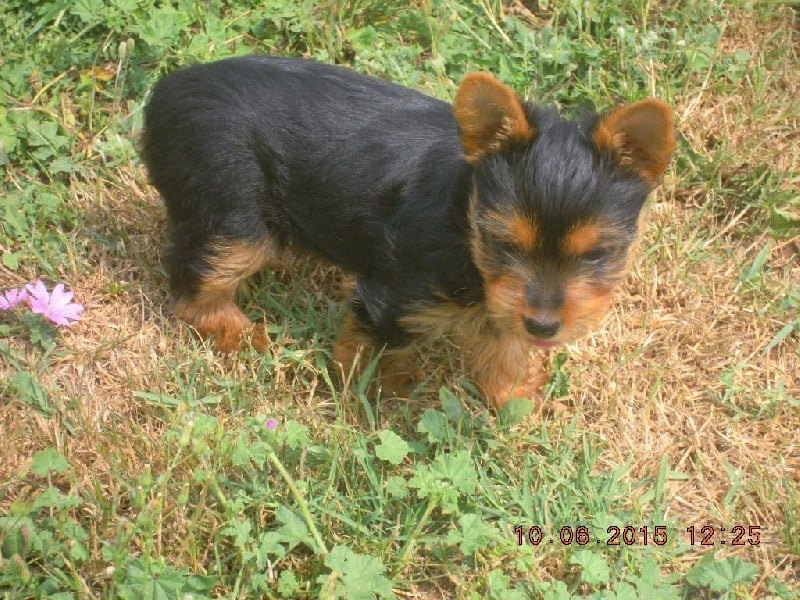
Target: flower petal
(37,289)
(38,297)
(17,296)
(59,298)
(12,298)
(70,313)
(56,306)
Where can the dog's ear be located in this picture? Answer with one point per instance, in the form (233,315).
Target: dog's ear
(639,136)
(489,114)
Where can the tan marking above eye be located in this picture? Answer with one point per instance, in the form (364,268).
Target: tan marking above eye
(523,233)
(582,239)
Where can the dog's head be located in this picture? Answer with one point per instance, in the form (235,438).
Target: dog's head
(555,203)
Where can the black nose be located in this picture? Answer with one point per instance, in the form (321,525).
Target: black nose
(541,328)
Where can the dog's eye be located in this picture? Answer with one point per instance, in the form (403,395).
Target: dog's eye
(595,256)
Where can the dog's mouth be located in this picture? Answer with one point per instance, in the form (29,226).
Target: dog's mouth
(545,344)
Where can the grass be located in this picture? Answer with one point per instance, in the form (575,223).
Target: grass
(136,463)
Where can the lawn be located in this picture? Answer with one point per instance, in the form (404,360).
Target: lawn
(664,461)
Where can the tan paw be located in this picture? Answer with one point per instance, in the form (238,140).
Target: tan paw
(398,371)
(503,384)
(222,322)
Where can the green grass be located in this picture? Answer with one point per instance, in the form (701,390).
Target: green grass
(136,463)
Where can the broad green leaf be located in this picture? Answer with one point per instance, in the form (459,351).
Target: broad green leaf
(288,585)
(514,411)
(392,448)
(434,424)
(397,487)
(721,575)
(48,460)
(295,435)
(356,576)
(451,405)
(472,534)
(594,568)
(293,528)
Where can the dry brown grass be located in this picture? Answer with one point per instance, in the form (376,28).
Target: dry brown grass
(680,373)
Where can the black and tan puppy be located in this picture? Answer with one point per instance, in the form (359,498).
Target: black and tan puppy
(493,219)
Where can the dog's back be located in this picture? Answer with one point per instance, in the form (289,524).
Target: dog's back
(256,142)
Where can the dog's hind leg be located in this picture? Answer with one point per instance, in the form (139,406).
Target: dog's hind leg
(204,281)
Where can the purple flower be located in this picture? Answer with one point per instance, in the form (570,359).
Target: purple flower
(12,298)
(271,424)
(56,306)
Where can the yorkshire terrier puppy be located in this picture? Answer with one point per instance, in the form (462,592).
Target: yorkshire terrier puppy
(493,219)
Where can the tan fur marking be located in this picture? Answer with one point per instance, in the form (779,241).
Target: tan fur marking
(503,368)
(582,239)
(584,308)
(445,318)
(523,233)
(213,311)
(349,344)
(353,350)
(641,136)
(398,371)
(496,348)
(232,262)
(216,316)
(506,303)
(489,114)
(499,362)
